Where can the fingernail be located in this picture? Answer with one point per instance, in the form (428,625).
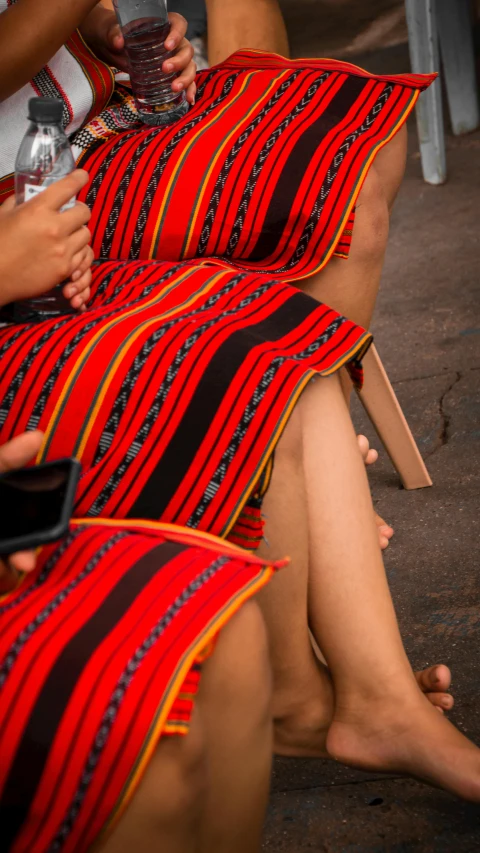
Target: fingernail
(169,44)
(168,66)
(76,275)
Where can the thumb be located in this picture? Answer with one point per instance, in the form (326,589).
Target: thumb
(115,38)
(20,450)
(8,205)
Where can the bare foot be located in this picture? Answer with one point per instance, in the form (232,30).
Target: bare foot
(302,722)
(370,455)
(402,733)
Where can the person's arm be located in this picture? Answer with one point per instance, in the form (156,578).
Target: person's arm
(31,33)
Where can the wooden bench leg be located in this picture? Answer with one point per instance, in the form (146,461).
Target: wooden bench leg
(455,32)
(381,404)
(425,59)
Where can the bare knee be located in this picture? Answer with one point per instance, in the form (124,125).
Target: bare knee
(370,233)
(179,765)
(243,666)
(170,798)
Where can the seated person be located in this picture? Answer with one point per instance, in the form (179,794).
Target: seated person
(125,724)
(232,25)
(206,397)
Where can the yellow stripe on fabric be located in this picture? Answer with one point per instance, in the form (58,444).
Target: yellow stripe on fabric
(107,379)
(168,193)
(82,359)
(214,159)
(358,349)
(356,192)
(188,535)
(165,706)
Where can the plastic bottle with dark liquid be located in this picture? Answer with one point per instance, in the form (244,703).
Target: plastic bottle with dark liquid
(145,26)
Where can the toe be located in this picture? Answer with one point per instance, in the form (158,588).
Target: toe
(435,679)
(384,542)
(385,530)
(369,454)
(364,446)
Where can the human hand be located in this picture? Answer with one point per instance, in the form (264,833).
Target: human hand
(41,246)
(102,33)
(15,454)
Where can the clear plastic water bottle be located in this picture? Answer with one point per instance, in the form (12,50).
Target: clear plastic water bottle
(43,158)
(145,26)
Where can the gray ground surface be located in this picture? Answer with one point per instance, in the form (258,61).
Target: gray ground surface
(427,329)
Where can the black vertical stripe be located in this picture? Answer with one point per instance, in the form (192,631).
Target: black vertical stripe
(32,753)
(293,172)
(207,398)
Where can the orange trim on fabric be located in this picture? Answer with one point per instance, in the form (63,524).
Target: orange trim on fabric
(359,349)
(189,659)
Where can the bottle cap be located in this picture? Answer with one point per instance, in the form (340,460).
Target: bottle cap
(45,110)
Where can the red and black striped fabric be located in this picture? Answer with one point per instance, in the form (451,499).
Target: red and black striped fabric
(262,173)
(173,388)
(100,654)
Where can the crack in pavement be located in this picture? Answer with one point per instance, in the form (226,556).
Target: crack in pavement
(443,435)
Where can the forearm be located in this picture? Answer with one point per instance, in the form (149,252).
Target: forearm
(31,33)
(236,24)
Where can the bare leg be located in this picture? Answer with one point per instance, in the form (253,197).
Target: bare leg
(207,792)
(390,164)
(166,809)
(382,720)
(303,694)
(303,699)
(233,25)
(235,706)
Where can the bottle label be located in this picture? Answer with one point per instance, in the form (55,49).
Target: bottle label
(31,190)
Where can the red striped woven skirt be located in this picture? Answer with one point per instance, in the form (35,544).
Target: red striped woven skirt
(262,173)
(173,388)
(100,654)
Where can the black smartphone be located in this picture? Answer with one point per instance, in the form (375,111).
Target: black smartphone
(36,504)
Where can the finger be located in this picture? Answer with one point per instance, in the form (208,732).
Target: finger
(182,58)
(72,288)
(76,292)
(191,93)
(72,220)
(186,78)
(82,262)
(20,450)
(115,38)
(78,302)
(23,561)
(177,31)
(8,205)
(76,245)
(62,191)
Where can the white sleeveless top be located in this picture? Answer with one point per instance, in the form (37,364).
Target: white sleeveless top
(74,74)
